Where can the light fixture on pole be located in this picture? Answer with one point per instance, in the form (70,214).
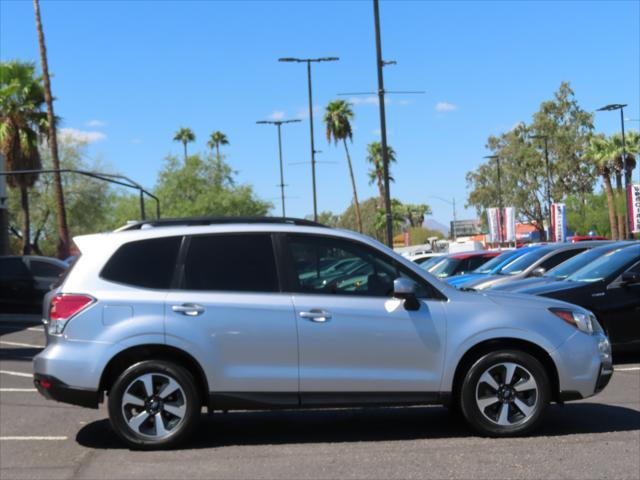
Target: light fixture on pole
(627,173)
(278,123)
(308,61)
(545,138)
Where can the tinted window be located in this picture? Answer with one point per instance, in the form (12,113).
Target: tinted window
(560,257)
(238,263)
(145,263)
(494,262)
(525,261)
(608,264)
(574,264)
(12,268)
(334,266)
(447,267)
(475,262)
(44,269)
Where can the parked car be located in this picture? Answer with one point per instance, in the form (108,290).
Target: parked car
(533,264)
(175,316)
(610,288)
(562,271)
(25,280)
(460,263)
(427,259)
(492,267)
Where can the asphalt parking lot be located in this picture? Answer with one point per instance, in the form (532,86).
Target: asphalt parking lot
(593,438)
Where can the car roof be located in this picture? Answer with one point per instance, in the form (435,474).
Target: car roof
(482,253)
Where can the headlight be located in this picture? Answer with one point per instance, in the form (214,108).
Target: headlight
(585,322)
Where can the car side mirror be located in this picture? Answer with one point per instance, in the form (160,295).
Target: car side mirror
(629,278)
(405,289)
(538,272)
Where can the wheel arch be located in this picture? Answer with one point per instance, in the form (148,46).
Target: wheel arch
(130,356)
(503,343)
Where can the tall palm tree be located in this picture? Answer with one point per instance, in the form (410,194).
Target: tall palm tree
(599,152)
(376,173)
(216,139)
(22,123)
(631,148)
(184,136)
(64,244)
(337,118)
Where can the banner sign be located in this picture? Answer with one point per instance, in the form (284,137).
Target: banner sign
(558,222)
(503,229)
(634,207)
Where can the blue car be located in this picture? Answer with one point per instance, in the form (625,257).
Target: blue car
(492,267)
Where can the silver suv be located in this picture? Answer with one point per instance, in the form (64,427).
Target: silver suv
(168,317)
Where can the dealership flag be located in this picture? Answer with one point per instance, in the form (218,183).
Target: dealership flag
(494,225)
(509,217)
(504,231)
(558,222)
(634,211)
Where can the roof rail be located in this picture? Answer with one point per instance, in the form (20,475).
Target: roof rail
(193,221)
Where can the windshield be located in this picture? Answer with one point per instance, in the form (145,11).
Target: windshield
(429,262)
(522,263)
(446,268)
(607,265)
(574,264)
(494,262)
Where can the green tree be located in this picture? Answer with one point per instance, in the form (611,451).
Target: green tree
(184,136)
(203,186)
(376,173)
(599,152)
(588,214)
(22,125)
(415,213)
(337,118)
(216,139)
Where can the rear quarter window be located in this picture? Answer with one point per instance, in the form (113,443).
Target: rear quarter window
(144,263)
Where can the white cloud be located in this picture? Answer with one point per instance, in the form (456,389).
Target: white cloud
(81,136)
(373,100)
(95,123)
(445,107)
(276,115)
(377,132)
(303,113)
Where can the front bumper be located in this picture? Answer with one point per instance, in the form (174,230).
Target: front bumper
(53,389)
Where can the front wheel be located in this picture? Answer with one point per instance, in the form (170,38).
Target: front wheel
(505,393)
(154,404)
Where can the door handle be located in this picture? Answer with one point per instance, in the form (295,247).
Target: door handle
(316,315)
(188,309)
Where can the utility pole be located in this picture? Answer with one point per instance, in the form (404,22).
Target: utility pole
(455,236)
(4,211)
(278,123)
(313,148)
(383,126)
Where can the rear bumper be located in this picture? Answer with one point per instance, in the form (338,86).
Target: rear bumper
(53,389)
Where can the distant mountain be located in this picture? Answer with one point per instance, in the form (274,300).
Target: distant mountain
(432,224)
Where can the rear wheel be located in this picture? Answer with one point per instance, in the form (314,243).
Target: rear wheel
(505,393)
(154,404)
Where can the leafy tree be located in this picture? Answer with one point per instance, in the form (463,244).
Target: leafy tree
(376,173)
(202,186)
(337,118)
(327,218)
(415,214)
(63,228)
(22,124)
(184,136)
(216,139)
(588,214)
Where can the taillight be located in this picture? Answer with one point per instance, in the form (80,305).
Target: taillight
(63,307)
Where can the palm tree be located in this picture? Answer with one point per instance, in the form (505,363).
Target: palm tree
(599,152)
(376,174)
(184,135)
(22,123)
(337,117)
(63,229)
(216,139)
(632,149)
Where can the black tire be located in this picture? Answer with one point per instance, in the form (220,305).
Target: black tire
(188,398)
(485,422)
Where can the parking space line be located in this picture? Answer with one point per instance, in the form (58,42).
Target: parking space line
(36,329)
(18,344)
(33,438)
(15,390)
(626,369)
(16,374)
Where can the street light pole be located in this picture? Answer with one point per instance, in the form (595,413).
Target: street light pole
(278,123)
(548,182)
(313,148)
(453,203)
(383,126)
(500,225)
(627,173)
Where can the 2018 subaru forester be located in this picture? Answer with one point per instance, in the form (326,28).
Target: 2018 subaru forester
(168,317)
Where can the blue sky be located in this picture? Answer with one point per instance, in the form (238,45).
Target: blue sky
(129,74)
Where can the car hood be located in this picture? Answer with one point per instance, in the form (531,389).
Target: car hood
(522,301)
(484,281)
(461,279)
(519,285)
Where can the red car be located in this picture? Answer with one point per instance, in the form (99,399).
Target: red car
(585,238)
(460,263)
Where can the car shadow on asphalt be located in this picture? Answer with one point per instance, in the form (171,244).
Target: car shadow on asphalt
(23,354)
(365,424)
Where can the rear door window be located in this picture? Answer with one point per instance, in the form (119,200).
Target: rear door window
(13,268)
(45,269)
(559,258)
(144,263)
(233,263)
